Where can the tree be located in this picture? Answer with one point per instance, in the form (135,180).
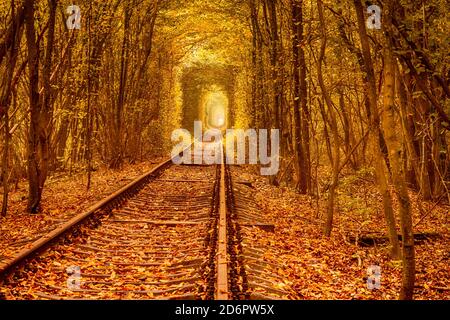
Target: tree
(375,132)
(301,140)
(398,176)
(5,96)
(35,174)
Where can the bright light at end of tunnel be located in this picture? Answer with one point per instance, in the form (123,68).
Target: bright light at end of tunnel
(220,121)
(215,110)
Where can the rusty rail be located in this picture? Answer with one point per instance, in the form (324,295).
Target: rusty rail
(42,243)
(222,291)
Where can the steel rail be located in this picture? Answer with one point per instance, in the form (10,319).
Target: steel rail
(56,234)
(222,291)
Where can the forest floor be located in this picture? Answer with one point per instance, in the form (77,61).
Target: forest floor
(314,266)
(337,268)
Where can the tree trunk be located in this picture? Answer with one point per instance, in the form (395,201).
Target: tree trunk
(335,154)
(299,94)
(398,177)
(277,93)
(34,170)
(375,133)
(40,109)
(5,176)
(88,105)
(117,158)
(5,97)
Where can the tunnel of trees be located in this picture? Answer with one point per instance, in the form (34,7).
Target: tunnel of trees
(347,96)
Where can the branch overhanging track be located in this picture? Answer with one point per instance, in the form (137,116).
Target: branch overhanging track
(177,232)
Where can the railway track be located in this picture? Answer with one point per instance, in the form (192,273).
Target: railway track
(177,232)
